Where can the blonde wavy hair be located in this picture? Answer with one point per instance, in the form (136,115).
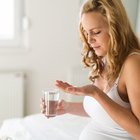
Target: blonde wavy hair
(123,40)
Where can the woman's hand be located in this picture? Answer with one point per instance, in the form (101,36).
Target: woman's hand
(62,107)
(88,90)
(43,106)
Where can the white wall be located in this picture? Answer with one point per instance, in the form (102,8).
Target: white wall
(54,47)
(138,21)
(131,7)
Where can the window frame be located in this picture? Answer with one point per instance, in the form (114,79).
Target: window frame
(18,40)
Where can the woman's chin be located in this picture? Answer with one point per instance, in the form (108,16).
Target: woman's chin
(100,54)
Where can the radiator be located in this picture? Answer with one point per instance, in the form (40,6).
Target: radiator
(11,95)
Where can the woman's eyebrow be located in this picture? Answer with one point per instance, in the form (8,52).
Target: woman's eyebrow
(91,29)
(94,28)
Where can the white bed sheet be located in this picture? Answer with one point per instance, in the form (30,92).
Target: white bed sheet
(38,127)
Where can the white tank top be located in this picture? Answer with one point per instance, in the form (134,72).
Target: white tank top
(101,121)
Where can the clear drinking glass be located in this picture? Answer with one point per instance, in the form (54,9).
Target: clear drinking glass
(51,101)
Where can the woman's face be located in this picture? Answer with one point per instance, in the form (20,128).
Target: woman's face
(96,31)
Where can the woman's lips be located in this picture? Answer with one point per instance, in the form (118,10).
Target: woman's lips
(96,47)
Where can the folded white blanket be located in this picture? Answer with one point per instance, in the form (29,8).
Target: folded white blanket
(38,127)
(12,129)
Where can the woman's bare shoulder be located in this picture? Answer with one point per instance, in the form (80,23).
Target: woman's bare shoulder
(132,61)
(131,69)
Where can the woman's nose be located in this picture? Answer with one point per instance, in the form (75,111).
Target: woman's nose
(91,39)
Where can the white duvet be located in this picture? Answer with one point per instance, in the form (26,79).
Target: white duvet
(38,127)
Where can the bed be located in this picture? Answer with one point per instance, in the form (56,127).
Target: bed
(38,127)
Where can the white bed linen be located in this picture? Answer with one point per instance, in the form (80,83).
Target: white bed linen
(12,129)
(38,127)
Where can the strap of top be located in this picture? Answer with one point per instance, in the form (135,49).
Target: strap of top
(133,53)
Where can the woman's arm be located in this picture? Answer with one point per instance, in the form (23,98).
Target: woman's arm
(65,107)
(76,109)
(127,119)
(124,117)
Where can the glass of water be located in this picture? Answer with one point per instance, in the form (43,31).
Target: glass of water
(51,101)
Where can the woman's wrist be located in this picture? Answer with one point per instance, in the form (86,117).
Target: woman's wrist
(96,93)
(68,107)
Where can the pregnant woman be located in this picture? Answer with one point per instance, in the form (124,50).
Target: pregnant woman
(111,51)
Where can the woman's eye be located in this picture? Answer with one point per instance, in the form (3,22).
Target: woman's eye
(96,33)
(92,33)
